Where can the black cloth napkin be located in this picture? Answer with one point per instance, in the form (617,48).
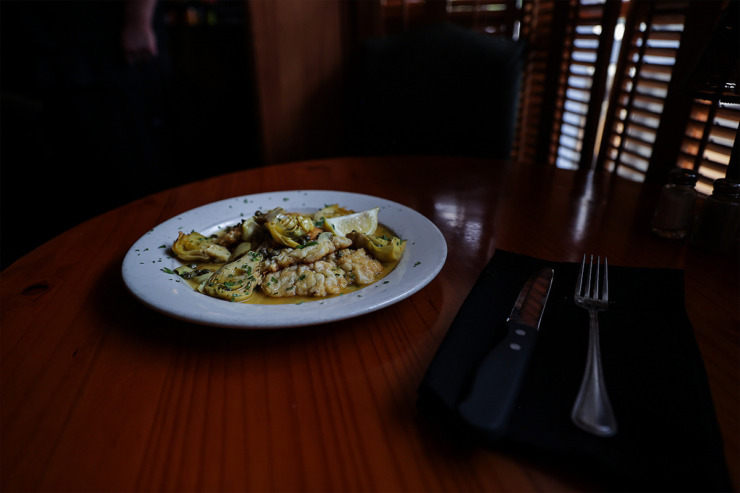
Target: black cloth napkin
(668,437)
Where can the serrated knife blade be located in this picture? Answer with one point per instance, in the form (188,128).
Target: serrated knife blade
(496,385)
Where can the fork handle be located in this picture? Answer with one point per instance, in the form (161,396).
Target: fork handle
(592,410)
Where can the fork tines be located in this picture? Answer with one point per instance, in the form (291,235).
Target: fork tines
(600,291)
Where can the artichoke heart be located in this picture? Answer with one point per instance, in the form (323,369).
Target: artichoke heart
(240,250)
(381,247)
(192,273)
(289,229)
(236,280)
(195,247)
(250,229)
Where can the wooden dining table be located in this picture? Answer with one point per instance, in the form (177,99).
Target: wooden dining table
(101,393)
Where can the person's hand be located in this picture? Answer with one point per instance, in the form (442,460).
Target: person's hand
(138,40)
(139,43)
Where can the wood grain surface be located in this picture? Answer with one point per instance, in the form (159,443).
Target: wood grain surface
(100,393)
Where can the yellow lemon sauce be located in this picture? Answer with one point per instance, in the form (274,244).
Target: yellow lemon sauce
(259,298)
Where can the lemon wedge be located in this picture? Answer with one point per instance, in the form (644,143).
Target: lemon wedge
(363,222)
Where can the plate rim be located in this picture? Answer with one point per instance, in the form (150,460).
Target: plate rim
(221,313)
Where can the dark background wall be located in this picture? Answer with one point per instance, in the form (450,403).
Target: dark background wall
(83,132)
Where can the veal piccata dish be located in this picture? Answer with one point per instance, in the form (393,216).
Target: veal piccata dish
(278,256)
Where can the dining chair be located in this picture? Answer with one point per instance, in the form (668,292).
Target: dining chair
(437,89)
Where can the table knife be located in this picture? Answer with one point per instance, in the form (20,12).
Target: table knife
(496,384)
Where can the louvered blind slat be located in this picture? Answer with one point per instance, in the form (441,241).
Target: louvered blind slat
(669,36)
(639,147)
(643,116)
(718,153)
(651,70)
(645,129)
(722,133)
(646,101)
(652,85)
(564,82)
(649,52)
(709,137)
(653,51)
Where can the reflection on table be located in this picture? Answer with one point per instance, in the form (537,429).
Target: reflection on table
(102,393)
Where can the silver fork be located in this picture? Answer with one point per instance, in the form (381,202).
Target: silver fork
(592,410)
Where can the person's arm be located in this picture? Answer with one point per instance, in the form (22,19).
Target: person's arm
(138,41)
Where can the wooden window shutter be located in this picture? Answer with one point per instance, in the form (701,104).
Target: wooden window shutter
(586,52)
(711,135)
(652,108)
(712,138)
(495,17)
(563,116)
(543,26)
(642,82)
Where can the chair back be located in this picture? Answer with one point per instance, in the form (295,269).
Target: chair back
(439,89)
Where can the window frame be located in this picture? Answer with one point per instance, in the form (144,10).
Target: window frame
(547,87)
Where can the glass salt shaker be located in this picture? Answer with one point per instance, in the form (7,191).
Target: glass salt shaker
(719,222)
(675,210)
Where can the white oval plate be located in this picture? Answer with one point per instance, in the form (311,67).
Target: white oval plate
(144,267)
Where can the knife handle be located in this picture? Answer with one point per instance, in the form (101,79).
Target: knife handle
(495,388)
